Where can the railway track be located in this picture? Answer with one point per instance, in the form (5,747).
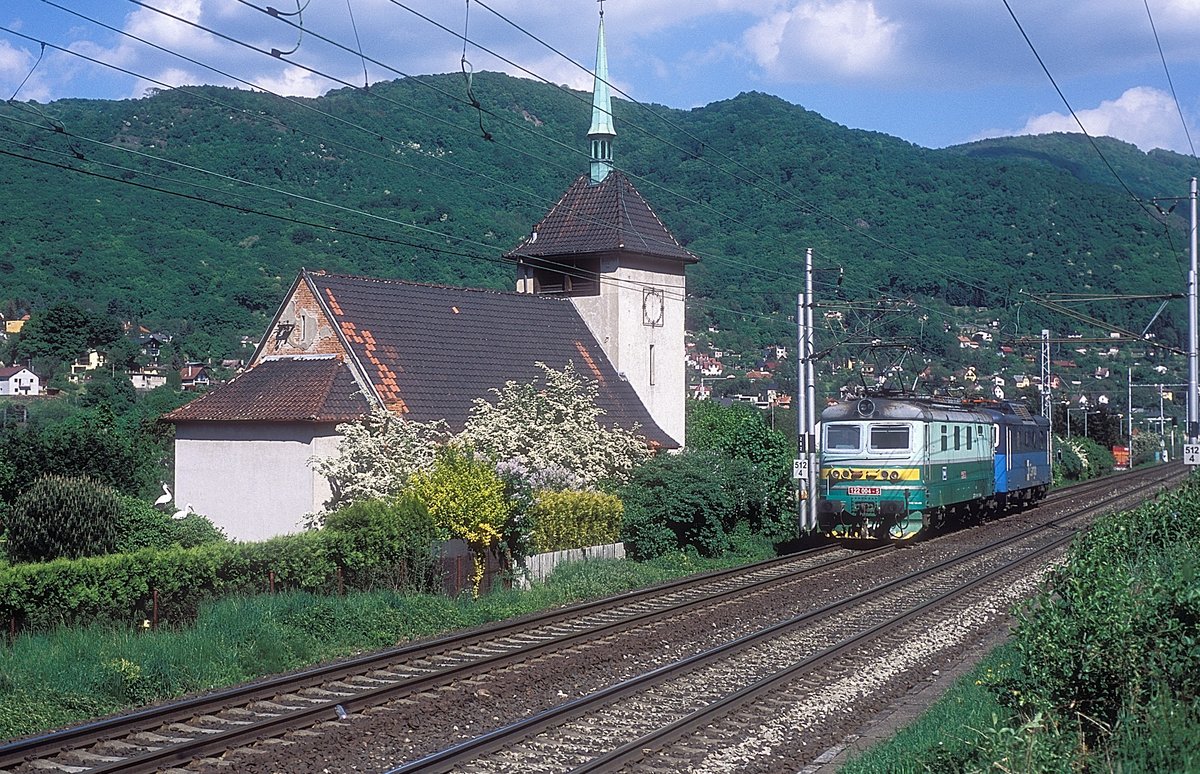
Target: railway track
(200,730)
(675,717)
(180,732)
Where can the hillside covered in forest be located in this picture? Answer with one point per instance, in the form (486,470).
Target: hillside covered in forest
(191,210)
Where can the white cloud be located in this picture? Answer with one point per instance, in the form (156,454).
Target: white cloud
(171,76)
(165,31)
(294,82)
(1144,116)
(813,40)
(15,65)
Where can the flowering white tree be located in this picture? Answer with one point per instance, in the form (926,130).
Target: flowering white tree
(554,425)
(377,455)
(547,433)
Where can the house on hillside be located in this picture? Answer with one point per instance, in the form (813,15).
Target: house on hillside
(89,362)
(194,376)
(151,344)
(13,327)
(600,285)
(18,380)
(148,378)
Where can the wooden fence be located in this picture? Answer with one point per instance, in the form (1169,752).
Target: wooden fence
(541,565)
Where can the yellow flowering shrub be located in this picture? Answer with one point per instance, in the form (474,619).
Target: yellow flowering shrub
(465,497)
(571,519)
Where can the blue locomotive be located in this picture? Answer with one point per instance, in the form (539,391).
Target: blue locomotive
(893,467)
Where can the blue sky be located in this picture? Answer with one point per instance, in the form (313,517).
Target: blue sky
(934,72)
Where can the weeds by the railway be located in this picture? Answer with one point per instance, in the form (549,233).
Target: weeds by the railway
(1103,673)
(70,675)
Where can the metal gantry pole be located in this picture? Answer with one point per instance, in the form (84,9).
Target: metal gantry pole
(1193,409)
(801,415)
(1130,410)
(811,393)
(1047,406)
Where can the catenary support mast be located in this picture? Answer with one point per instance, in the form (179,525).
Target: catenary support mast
(811,393)
(1193,410)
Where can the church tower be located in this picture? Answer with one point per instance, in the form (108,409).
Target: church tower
(603,247)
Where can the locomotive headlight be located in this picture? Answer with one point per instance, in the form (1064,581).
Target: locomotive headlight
(894,475)
(835,474)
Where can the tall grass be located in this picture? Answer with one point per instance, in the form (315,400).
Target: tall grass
(946,737)
(1102,673)
(71,675)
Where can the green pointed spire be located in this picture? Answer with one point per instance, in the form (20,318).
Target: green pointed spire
(602,132)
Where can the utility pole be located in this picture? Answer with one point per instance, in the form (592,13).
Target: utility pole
(805,470)
(1046,407)
(1193,409)
(811,396)
(1130,413)
(799,473)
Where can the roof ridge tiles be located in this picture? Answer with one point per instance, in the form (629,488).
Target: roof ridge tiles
(320,276)
(324,356)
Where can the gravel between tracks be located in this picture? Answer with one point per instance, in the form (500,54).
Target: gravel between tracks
(383,737)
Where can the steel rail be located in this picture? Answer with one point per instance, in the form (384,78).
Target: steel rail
(456,755)
(622,757)
(18,750)
(155,719)
(221,741)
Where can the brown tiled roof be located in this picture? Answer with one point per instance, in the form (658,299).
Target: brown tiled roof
(299,389)
(431,350)
(9,371)
(609,216)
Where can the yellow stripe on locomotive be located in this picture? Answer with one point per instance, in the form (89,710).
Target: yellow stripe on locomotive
(837,473)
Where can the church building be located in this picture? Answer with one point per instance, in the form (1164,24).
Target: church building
(600,284)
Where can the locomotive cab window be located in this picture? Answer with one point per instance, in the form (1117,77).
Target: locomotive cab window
(889,438)
(843,438)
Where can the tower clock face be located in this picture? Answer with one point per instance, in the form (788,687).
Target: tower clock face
(653,307)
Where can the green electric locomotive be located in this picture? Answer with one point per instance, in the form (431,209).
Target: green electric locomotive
(891,467)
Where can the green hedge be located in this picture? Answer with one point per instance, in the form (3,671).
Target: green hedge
(141,525)
(571,519)
(119,587)
(385,544)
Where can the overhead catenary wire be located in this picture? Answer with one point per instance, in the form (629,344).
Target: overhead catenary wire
(672,192)
(532,198)
(1074,115)
(783,193)
(1162,56)
(1137,199)
(1095,147)
(566,269)
(668,291)
(541,159)
(933,266)
(472,101)
(231,39)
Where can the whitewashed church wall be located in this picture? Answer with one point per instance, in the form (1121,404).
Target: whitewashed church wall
(252,480)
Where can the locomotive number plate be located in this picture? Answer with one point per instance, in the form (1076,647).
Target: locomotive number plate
(862,490)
